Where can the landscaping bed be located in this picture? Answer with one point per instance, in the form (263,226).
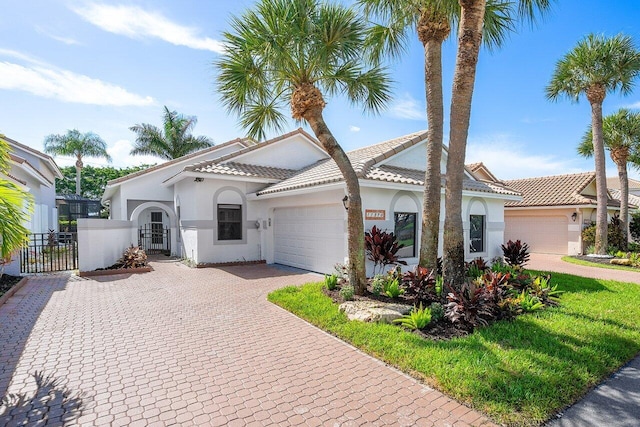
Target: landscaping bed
(7,282)
(519,372)
(597,262)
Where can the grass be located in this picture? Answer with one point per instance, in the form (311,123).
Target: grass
(519,372)
(572,260)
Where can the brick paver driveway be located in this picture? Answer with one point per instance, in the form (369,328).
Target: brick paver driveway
(193,347)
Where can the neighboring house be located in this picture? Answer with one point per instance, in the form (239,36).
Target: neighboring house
(282,201)
(613,183)
(36,173)
(553,211)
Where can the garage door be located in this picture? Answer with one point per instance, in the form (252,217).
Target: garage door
(543,234)
(310,237)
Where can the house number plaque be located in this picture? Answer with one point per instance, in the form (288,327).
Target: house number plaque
(374,214)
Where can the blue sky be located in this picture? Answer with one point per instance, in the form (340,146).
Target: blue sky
(105,66)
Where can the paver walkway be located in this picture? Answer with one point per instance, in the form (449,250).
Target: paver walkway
(615,402)
(193,347)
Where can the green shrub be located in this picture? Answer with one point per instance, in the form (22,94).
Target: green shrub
(529,302)
(377,284)
(347,292)
(392,289)
(634,228)
(615,236)
(418,318)
(331,281)
(437,311)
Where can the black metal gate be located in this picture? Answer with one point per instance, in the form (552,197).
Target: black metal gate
(49,252)
(155,239)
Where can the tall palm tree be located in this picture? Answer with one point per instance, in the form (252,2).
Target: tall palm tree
(470,30)
(175,141)
(596,66)
(77,144)
(294,52)
(432,20)
(621,136)
(15,205)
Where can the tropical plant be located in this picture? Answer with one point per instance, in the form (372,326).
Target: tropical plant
(432,21)
(77,144)
(437,311)
(476,268)
(330,281)
(615,235)
(347,292)
(93,179)
(173,141)
(418,318)
(516,254)
(529,303)
(377,284)
(393,289)
(634,227)
(134,257)
(382,248)
(420,284)
(469,306)
(596,66)
(295,52)
(472,22)
(621,136)
(15,207)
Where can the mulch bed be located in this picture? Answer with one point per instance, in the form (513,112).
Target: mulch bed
(605,261)
(440,330)
(7,282)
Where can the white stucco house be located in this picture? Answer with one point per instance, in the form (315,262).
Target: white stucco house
(34,172)
(281,201)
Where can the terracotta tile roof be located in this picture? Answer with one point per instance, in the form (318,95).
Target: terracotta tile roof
(243,169)
(557,190)
(365,162)
(634,201)
(614,182)
(243,141)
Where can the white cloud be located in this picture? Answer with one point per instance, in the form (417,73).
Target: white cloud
(408,108)
(135,22)
(41,79)
(354,128)
(508,159)
(634,106)
(65,40)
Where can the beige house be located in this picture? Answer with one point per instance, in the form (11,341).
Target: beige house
(613,183)
(553,211)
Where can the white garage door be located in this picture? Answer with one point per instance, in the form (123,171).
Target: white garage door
(310,237)
(543,234)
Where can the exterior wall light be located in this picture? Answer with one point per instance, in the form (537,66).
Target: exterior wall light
(574,216)
(345,202)
(198,180)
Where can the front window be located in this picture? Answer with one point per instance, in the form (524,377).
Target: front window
(229,222)
(405,231)
(476,233)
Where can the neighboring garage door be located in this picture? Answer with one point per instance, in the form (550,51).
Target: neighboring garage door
(546,234)
(310,237)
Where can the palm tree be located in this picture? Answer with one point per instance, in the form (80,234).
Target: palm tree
(472,13)
(80,145)
(621,136)
(432,20)
(175,141)
(15,205)
(294,52)
(596,66)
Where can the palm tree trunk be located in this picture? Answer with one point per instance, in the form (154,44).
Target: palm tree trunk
(601,176)
(469,39)
(78,173)
(357,270)
(433,176)
(624,201)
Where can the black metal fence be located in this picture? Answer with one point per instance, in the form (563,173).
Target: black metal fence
(155,239)
(49,252)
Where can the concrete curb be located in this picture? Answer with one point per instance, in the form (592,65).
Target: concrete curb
(15,288)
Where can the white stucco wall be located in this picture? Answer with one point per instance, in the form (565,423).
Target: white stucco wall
(101,242)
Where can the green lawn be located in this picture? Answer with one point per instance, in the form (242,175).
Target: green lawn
(572,260)
(519,372)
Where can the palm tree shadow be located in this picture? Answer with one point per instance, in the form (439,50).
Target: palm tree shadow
(52,402)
